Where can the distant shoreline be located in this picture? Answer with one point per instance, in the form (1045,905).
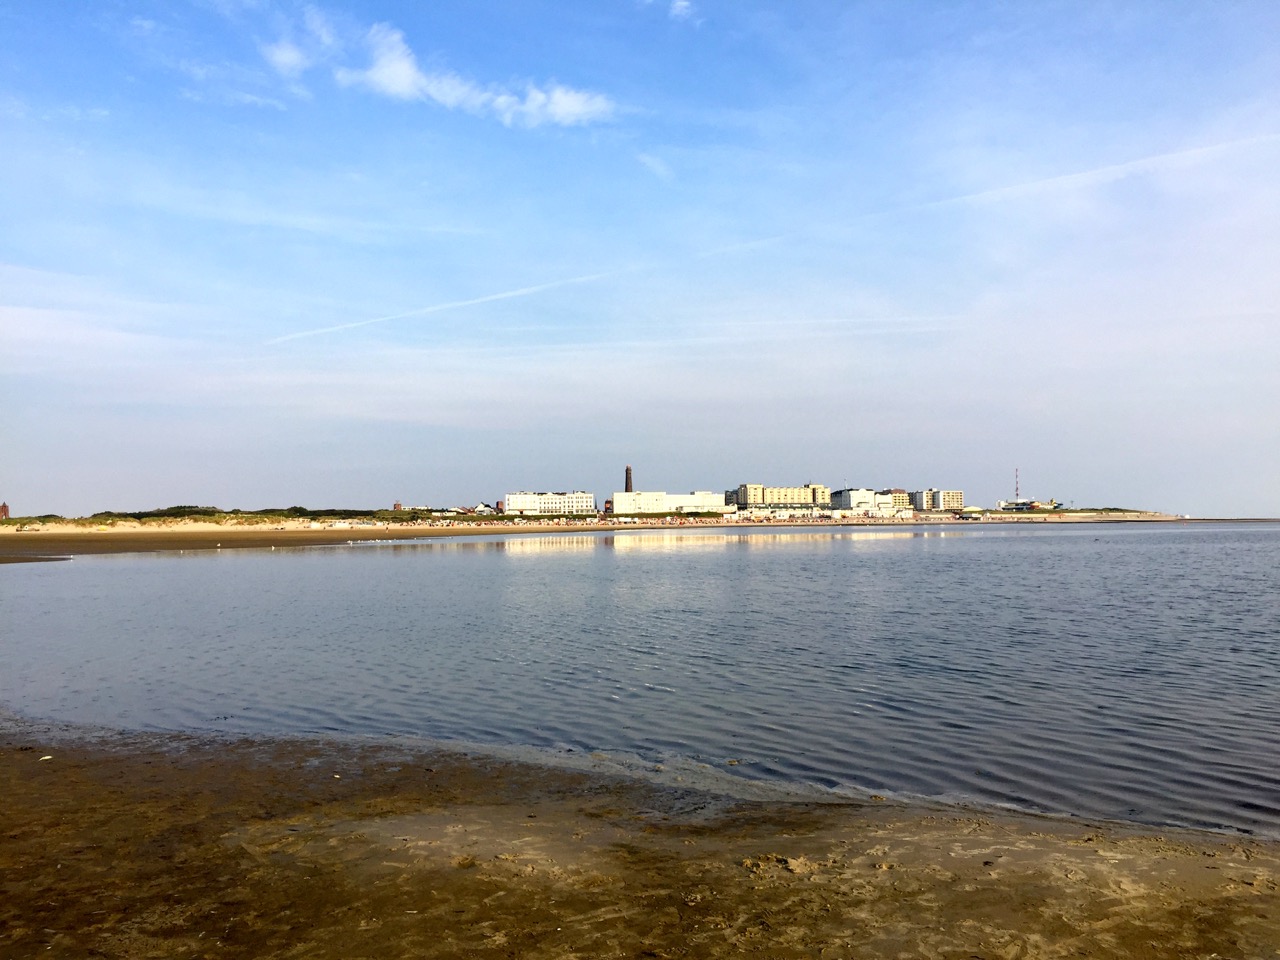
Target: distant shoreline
(58,540)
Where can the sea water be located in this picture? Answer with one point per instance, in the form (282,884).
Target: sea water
(1121,671)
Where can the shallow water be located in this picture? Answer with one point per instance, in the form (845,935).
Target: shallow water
(1121,671)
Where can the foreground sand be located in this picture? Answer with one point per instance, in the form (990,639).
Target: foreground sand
(138,847)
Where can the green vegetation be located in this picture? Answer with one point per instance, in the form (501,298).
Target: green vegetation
(43,518)
(180,512)
(1102,510)
(216,514)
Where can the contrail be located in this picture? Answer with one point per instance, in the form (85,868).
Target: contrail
(1104,174)
(451,305)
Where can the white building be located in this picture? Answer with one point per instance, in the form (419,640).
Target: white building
(866,502)
(524,503)
(645,501)
(862,498)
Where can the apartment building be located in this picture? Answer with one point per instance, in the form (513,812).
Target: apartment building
(758,495)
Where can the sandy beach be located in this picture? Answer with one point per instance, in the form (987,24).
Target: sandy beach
(66,539)
(164,846)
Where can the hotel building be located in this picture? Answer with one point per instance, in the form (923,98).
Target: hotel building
(526,504)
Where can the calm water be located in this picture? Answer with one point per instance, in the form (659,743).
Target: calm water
(1128,672)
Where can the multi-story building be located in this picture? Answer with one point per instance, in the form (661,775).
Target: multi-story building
(862,498)
(925,499)
(644,501)
(866,502)
(524,503)
(810,500)
(758,495)
(901,499)
(934,499)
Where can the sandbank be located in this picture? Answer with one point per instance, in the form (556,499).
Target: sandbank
(141,846)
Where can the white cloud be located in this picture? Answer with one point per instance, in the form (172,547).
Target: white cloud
(394,72)
(287,59)
(681,9)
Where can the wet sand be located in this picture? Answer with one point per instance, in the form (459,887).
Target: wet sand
(60,543)
(167,846)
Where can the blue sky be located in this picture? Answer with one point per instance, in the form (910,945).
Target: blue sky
(265,253)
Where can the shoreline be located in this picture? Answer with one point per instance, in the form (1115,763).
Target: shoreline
(142,845)
(51,541)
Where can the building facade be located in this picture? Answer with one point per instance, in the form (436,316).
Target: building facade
(758,495)
(934,499)
(524,503)
(861,498)
(925,499)
(628,503)
(900,499)
(866,502)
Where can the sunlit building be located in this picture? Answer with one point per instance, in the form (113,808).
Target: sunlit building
(627,503)
(524,503)
(758,495)
(810,500)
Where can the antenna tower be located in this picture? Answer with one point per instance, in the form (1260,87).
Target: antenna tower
(1017,490)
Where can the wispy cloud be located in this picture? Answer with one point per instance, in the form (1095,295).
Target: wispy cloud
(394,72)
(676,9)
(232,98)
(286,58)
(656,165)
(319,27)
(680,9)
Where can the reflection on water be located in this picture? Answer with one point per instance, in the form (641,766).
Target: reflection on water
(652,540)
(1118,671)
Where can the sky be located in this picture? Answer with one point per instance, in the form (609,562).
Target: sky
(259,253)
